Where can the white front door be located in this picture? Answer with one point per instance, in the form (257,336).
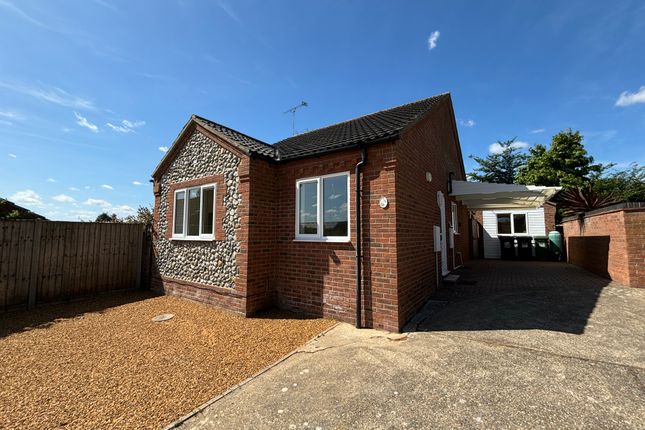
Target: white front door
(441,201)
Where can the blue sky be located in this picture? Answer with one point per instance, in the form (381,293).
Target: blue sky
(90,90)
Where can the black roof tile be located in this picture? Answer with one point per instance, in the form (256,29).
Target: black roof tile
(251,144)
(379,125)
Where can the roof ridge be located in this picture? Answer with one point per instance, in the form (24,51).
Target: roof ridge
(362,116)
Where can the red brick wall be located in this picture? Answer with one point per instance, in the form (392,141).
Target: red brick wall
(262,200)
(611,244)
(319,278)
(549,216)
(635,235)
(430,146)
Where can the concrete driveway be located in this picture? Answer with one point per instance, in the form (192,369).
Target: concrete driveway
(515,345)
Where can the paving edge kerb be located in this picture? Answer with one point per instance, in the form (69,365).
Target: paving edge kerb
(203,406)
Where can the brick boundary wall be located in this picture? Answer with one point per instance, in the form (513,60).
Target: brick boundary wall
(609,242)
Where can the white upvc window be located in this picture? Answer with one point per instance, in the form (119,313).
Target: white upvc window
(322,208)
(455,217)
(512,223)
(194,213)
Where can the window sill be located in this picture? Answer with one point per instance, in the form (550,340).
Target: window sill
(325,240)
(193,239)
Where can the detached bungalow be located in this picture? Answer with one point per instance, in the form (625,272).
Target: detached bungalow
(335,222)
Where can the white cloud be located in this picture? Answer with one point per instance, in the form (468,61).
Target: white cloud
(98,202)
(27,197)
(136,183)
(12,155)
(122,209)
(126,126)
(627,99)
(87,187)
(229,11)
(432,40)
(83,122)
(51,180)
(107,187)
(63,198)
(73,189)
(538,130)
(496,148)
(16,10)
(49,94)
(467,123)
(12,115)
(163,148)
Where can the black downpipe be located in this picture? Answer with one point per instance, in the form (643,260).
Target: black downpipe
(359,276)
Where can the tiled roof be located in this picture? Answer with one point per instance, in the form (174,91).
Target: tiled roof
(376,126)
(252,145)
(381,125)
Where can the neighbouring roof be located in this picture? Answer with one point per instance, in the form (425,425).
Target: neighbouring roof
(376,127)
(10,210)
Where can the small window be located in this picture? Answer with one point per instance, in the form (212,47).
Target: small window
(455,217)
(322,208)
(180,196)
(511,223)
(308,193)
(519,223)
(194,216)
(504,224)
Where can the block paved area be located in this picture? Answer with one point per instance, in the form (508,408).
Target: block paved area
(542,346)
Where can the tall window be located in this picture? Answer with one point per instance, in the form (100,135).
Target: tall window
(455,217)
(194,216)
(322,208)
(511,223)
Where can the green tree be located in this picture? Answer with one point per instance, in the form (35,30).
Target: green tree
(501,167)
(143,216)
(565,163)
(105,217)
(626,185)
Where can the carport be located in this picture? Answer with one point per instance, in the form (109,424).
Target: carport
(520,205)
(486,196)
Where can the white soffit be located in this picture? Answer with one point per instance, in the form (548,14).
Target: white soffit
(486,196)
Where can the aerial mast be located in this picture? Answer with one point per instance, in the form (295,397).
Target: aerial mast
(293,115)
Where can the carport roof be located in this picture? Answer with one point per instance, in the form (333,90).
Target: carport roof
(487,196)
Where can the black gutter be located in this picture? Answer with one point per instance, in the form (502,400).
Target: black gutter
(359,276)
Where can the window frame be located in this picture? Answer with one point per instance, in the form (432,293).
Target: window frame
(454,217)
(201,236)
(511,215)
(319,237)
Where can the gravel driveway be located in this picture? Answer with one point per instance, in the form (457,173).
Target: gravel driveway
(104,364)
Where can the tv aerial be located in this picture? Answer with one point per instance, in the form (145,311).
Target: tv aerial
(293,115)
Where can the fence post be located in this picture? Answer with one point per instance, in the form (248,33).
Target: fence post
(34,271)
(142,238)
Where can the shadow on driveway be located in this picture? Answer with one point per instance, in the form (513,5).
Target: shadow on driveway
(509,295)
(43,316)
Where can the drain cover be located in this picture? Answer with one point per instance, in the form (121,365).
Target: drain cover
(162,317)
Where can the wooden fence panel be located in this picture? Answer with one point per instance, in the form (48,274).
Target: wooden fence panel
(46,261)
